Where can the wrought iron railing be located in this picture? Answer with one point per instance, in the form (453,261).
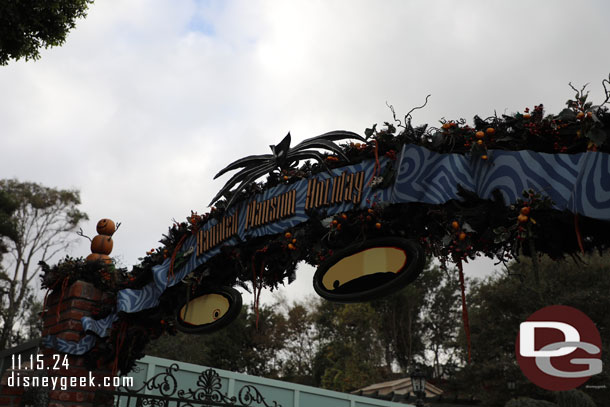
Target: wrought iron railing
(162,390)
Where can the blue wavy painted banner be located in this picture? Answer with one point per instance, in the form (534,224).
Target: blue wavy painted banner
(579,183)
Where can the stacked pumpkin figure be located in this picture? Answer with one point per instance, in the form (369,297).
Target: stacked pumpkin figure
(101,245)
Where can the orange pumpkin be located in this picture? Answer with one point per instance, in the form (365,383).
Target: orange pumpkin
(105,227)
(104,258)
(102,244)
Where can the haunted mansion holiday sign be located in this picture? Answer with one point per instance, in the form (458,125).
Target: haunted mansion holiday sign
(366,211)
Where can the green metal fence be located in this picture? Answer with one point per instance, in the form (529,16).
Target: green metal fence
(275,392)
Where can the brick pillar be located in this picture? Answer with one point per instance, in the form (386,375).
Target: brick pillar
(78,300)
(10,396)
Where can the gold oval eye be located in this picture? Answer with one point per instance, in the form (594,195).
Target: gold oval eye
(370,261)
(204,309)
(369,269)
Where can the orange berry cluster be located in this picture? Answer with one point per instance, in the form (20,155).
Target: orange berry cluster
(460,246)
(359,146)
(523,214)
(448,125)
(461,235)
(480,135)
(335,223)
(369,217)
(468,132)
(291,241)
(194,219)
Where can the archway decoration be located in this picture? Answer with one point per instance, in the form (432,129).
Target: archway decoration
(513,184)
(369,269)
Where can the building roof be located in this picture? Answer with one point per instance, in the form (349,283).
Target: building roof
(398,386)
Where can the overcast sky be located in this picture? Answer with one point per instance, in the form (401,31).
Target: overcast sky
(148,99)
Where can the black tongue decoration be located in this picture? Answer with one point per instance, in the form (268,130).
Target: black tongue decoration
(364,283)
(353,274)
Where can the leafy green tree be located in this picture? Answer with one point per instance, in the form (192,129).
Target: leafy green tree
(419,320)
(399,327)
(500,303)
(301,342)
(441,319)
(360,344)
(574,398)
(7,225)
(336,346)
(350,354)
(571,398)
(42,220)
(28,25)
(529,402)
(266,340)
(221,349)
(242,346)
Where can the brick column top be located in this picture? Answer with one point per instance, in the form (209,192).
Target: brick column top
(62,319)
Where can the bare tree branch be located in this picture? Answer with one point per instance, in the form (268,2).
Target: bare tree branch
(43,219)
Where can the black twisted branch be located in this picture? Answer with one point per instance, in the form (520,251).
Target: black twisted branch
(606,91)
(408,116)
